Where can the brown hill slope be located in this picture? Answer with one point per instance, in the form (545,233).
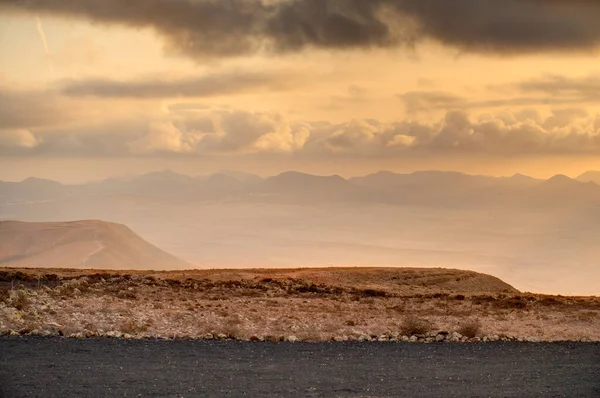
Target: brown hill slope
(395,281)
(79,244)
(392,280)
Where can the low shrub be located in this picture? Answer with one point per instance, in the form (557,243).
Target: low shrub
(470,328)
(19,299)
(133,327)
(413,324)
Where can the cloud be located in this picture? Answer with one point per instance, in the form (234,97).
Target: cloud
(421,101)
(223,132)
(507,26)
(548,91)
(17,139)
(27,109)
(220,28)
(564,131)
(205,86)
(164,137)
(354,95)
(582,89)
(36,124)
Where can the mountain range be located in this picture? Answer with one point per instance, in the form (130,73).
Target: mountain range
(434,188)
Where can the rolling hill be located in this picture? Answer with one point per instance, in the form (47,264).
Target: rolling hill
(79,244)
(590,176)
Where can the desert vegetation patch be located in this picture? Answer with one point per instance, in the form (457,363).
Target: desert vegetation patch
(249,305)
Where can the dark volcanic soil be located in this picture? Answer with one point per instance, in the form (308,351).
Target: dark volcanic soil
(37,367)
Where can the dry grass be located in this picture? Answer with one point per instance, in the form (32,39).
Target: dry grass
(154,305)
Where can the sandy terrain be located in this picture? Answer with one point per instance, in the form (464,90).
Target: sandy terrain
(303,304)
(79,244)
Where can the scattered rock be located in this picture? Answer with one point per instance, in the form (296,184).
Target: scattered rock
(440,337)
(292,339)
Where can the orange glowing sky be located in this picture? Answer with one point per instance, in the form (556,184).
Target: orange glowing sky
(91,88)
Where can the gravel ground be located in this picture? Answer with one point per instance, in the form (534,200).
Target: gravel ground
(58,367)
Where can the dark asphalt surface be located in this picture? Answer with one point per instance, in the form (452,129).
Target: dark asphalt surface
(38,367)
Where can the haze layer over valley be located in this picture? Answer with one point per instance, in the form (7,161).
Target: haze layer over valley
(537,235)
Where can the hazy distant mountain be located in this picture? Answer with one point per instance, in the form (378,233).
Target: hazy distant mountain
(438,180)
(225,182)
(79,244)
(32,189)
(440,188)
(559,191)
(165,177)
(424,188)
(590,176)
(169,185)
(241,176)
(521,179)
(301,186)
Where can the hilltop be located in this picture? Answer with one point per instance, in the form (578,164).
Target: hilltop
(79,244)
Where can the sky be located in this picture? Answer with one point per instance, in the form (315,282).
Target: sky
(94,88)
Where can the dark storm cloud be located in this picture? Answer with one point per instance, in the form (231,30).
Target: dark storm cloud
(205,86)
(209,28)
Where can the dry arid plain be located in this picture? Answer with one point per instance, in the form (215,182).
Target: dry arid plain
(340,304)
